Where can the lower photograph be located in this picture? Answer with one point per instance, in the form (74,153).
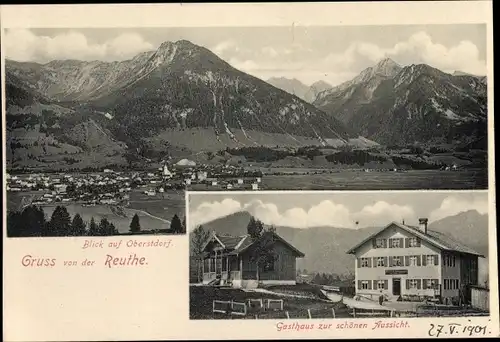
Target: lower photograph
(307,255)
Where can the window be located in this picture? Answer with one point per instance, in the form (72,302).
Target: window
(413,260)
(450,260)
(413,242)
(380,285)
(397,261)
(430,284)
(364,284)
(380,243)
(395,243)
(413,283)
(365,262)
(430,259)
(451,284)
(381,262)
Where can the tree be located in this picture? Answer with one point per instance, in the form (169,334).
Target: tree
(77,226)
(176,225)
(60,222)
(184,225)
(255,228)
(93,228)
(106,228)
(135,226)
(198,240)
(317,279)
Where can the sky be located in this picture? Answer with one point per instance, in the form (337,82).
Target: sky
(330,53)
(338,209)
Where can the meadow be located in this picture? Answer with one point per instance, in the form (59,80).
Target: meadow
(375,180)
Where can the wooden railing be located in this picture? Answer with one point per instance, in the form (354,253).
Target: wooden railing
(208,276)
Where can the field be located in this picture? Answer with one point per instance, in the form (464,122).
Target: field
(303,302)
(164,205)
(154,212)
(360,180)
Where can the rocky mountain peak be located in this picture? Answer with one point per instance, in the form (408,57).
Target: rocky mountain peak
(387,67)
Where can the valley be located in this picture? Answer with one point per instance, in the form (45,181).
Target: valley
(415,124)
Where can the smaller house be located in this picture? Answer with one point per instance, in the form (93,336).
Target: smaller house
(230,260)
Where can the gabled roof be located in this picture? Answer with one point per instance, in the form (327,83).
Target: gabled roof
(240,244)
(226,241)
(248,243)
(437,239)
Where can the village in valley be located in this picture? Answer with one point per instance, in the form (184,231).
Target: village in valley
(157,195)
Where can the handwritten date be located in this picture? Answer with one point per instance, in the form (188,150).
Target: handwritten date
(456,329)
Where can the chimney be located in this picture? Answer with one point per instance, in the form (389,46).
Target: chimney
(422,223)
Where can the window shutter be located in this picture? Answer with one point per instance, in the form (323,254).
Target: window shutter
(369,285)
(401,241)
(384,243)
(390,244)
(419,284)
(386,284)
(374,243)
(419,242)
(369,262)
(436,260)
(375,285)
(391,261)
(385,262)
(374,262)
(419,260)
(407,242)
(359,262)
(407,284)
(359,284)
(424,260)
(407,260)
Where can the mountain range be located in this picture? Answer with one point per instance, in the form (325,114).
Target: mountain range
(182,99)
(299,89)
(325,247)
(150,98)
(393,104)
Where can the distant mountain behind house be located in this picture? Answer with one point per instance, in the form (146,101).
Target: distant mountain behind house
(396,105)
(325,247)
(299,89)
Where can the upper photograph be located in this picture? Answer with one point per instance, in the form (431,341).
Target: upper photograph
(138,115)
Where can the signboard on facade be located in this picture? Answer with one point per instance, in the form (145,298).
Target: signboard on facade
(393,272)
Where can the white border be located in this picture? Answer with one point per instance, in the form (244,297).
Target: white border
(158,319)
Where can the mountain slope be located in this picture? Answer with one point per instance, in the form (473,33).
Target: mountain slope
(401,105)
(180,85)
(325,247)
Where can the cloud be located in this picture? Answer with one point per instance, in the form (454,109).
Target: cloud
(297,61)
(325,213)
(418,48)
(453,206)
(209,211)
(225,48)
(24,45)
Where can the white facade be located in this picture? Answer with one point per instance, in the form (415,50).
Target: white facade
(396,263)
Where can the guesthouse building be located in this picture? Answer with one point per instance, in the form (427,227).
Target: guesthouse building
(406,262)
(233,261)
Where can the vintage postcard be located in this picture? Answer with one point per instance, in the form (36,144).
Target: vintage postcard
(317,170)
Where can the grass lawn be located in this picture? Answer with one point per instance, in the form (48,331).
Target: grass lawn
(202,297)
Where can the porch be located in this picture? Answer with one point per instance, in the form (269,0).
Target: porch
(224,267)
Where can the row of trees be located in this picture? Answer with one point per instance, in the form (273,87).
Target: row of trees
(31,222)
